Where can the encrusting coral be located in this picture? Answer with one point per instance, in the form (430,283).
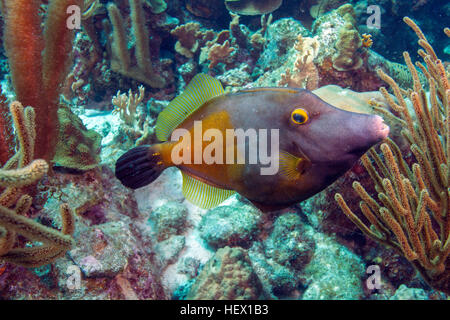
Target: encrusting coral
(412,211)
(347,56)
(227,275)
(16,175)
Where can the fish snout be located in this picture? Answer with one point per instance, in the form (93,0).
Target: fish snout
(376,131)
(379,128)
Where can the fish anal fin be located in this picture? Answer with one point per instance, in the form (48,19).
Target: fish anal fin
(203,195)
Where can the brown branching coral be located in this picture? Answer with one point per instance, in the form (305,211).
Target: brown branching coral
(187,35)
(121,60)
(219,53)
(412,213)
(136,126)
(17,174)
(126,105)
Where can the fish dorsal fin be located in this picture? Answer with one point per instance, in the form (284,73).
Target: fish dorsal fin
(201,89)
(203,195)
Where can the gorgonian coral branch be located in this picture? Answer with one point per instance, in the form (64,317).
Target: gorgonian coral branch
(15,176)
(413,216)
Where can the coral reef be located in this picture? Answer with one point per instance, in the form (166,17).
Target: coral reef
(190,38)
(70,230)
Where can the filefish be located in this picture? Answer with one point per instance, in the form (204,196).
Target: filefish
(252,7)
(316,144)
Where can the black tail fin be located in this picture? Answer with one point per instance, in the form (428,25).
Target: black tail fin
(139,166)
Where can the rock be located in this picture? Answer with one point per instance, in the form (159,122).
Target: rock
(277,280)
(169,249)
(279,260)
(169,219)
(405,293)
(189,266)
(108,247)
(288,244)
(334,272)
(234,225)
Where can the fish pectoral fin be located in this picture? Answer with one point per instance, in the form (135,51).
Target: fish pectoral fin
(203,195)
(201,89)
(292,167)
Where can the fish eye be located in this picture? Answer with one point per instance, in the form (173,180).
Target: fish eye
(299,116)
